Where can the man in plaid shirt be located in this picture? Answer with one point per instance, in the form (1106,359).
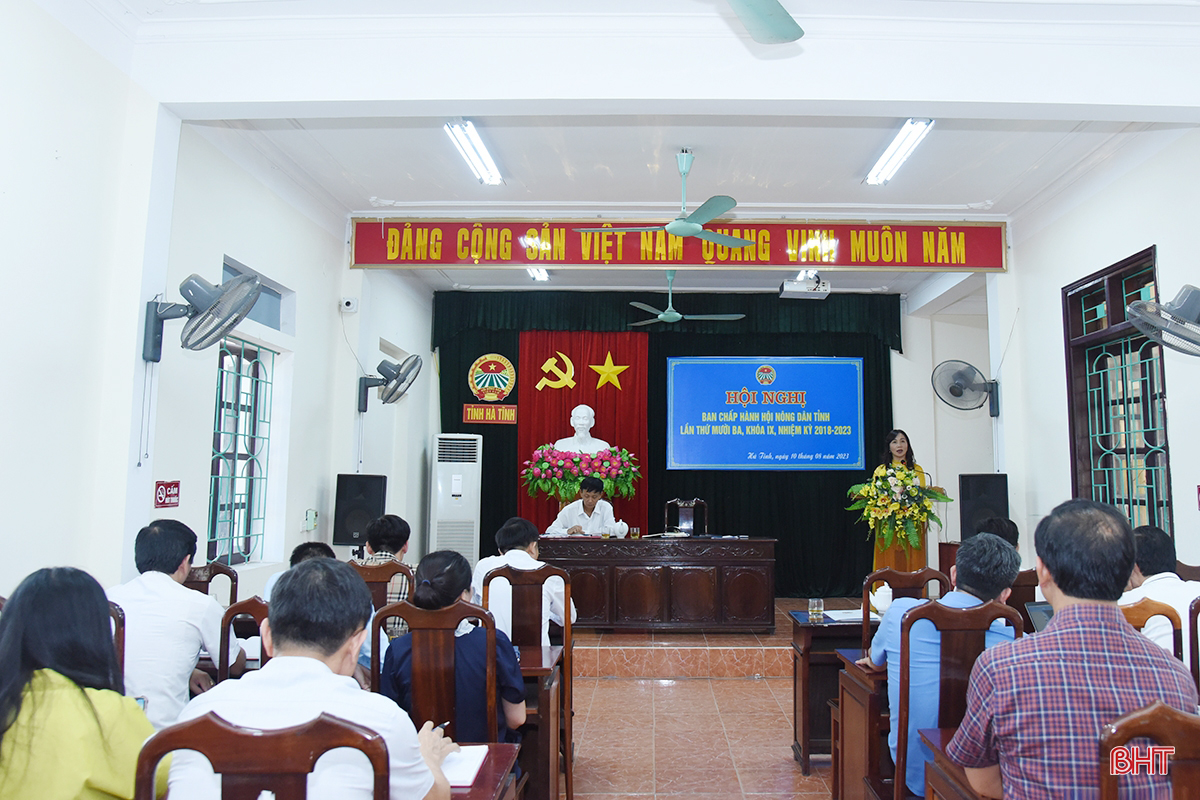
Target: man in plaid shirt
(1036,707)
(387,540)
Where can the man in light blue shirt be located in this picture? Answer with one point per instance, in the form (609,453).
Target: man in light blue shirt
(985,568)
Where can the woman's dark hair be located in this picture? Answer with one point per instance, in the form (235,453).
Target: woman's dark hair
(56,619)
(886,458)
(441,577)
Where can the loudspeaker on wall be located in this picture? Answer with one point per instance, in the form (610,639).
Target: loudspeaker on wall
(980,496)
(359,499)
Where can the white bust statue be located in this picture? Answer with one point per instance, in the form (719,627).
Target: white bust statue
(582,420)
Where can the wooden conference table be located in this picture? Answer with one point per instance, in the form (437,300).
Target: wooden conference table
(493,781)
(862,725)
(539,748)
(691,583)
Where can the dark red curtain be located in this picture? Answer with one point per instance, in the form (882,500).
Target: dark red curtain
(544,415)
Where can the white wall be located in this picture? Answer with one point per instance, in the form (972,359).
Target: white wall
(79,182)
(1155,204)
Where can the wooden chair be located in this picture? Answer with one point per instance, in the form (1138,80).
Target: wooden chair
(118,620)
(379,577)
(963,635)
(1024,590)
(1166,726)
(200,578)
(904,584)
(433,688)
(1194,646)
(251,761)
(685,515)
(3,600)
(1139,613)
(1187,571)
(255,608)
(526,616)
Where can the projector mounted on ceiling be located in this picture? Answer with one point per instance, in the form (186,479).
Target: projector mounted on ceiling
(807,286)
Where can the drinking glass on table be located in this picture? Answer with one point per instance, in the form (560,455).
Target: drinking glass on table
(816,609)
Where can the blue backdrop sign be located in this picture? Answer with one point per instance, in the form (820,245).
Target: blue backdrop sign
(764,413)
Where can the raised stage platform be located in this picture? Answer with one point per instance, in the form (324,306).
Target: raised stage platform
(650,654)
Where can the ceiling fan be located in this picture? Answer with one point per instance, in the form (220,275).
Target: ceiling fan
(690,224)
(671,315)
(767,21)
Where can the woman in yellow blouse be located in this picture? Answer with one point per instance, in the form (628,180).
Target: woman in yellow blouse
(66,728)
(898,452)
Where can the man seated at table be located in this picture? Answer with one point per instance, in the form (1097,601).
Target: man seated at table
(589,515)
(301,552)
(1035,707)
(984,569)
(517,540)
(387,541)
(315,626)
(1154,577)
(167,624)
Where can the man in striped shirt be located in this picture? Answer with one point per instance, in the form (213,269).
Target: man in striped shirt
(1036,707)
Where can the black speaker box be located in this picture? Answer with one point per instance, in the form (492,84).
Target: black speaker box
(979,497)
(359,499)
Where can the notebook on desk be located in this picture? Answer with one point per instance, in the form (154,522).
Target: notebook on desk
(460,768)
(1040,613)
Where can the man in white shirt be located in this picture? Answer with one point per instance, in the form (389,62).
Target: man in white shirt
(589,515)
(167,624)
(517,540)
(1154,577)
(315,627)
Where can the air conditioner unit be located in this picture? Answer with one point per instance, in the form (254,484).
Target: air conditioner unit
(455,486)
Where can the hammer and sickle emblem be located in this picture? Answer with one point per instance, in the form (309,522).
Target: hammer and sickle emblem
(564,378)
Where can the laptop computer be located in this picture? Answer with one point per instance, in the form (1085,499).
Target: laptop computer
(1039,613)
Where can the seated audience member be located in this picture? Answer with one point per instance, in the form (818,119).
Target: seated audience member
(66,728)
(589,515)
(167,624)
(1035,707)
(315,626)
(442,579)
(1154,577)
(302,552)
(1003,527)
(517,540)
(387,540)
(984,569)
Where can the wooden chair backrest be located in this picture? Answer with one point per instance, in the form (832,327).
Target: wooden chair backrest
(255,608)
(251,761)
(1166,726)
(118,620)
(1187,571)
(3,600)
(1024,590)
(200,578)
(378,576)
(1194,646)
(963,633)
(686,515)
(433,687)
(1139,613)
(904,584)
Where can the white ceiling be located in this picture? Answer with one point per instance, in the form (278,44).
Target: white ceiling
(339,105)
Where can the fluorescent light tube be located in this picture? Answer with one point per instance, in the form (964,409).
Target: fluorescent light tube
(473,151)
(899,150)
(538,274)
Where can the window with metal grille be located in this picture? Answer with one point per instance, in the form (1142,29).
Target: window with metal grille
(241,442)
(1117,394)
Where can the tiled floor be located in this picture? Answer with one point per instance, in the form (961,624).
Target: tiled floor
(700,737)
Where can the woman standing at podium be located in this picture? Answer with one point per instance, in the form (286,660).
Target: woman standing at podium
(897,453)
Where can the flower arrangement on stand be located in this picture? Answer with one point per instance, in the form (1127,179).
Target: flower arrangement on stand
(557,473)
(895,504)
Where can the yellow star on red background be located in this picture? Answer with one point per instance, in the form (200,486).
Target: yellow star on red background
(608,372)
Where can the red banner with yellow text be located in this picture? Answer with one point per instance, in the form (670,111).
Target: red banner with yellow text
(558,370)
(832,245)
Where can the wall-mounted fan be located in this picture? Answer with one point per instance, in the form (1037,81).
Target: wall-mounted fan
(960,385)
(690,224)
(671,315)
(1175,324)
(767,21)
(395,381)
(212,312)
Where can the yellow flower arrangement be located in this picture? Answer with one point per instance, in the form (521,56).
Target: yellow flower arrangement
(894,503)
